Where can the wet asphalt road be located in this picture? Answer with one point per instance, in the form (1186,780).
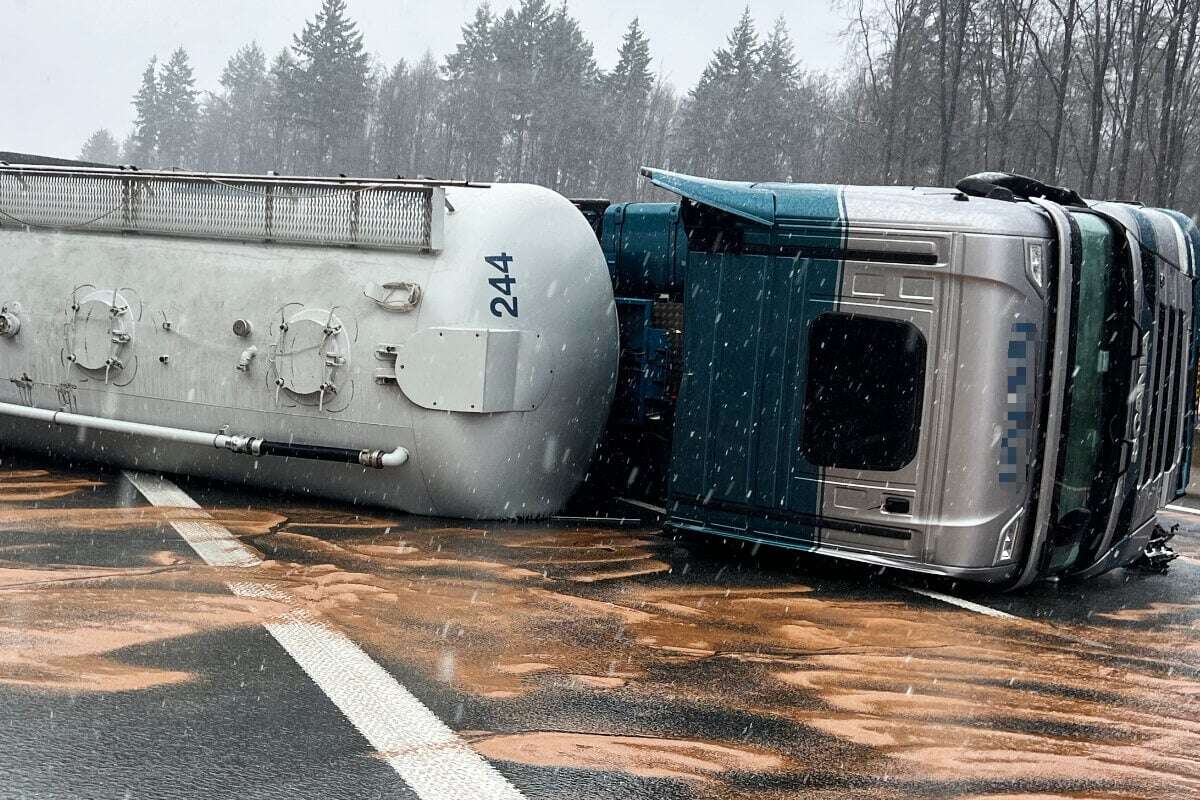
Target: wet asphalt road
(582,660)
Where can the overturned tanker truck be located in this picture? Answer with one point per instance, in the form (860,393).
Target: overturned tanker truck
(993,382)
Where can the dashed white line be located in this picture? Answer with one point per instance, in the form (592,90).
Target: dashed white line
(965,604)
(992,612)
(1183,510)
(424,752)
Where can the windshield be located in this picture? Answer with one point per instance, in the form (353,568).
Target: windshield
(1096,395)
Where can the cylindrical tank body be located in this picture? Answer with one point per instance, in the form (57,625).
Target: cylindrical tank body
(491,358)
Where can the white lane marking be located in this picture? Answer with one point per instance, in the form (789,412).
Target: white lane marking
(967,604)
(1183,510)
(427,755)
(992,612)
(640,504)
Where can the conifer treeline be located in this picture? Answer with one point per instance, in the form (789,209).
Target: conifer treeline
(1100,94)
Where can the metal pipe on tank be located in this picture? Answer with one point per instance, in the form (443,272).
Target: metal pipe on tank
(368,458)
(246,445)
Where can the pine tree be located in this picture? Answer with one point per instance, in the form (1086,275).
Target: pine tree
(215,143)
(331,93)
(127,149)
(470,115)
(179,111)
(143,149)
(627,105)
(518,38)
(815,132)
(244,85)
(631,76)
(567,118)
(389,130)
(662,123)
(282,139)
(713,130)
(770,131)
(101,147)
(427,93)
(403,136)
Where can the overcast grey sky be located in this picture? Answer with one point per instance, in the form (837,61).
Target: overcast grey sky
(71,66)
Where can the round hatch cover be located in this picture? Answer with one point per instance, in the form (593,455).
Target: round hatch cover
(101,330)
(313,347)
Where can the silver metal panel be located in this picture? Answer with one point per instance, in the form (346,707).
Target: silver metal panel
(932,209)
(876,288)
(474,370)
(970,303)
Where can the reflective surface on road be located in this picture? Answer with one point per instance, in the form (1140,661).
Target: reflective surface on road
(584,660)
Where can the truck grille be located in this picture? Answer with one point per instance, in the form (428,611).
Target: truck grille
(1161,436)
(388,214)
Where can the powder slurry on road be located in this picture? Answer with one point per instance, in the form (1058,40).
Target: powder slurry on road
(577,660)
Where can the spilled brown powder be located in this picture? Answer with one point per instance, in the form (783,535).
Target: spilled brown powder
(60,629)
(937,694)
(33,485)
(115,520)
(931,697)
(599,681)
(647,567)
(649,757)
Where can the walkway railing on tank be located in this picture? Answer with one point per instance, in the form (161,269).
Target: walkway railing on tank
(400,214)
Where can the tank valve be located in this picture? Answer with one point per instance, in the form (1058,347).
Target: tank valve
(246,445)
(247,356)
(10,323)
(378,459)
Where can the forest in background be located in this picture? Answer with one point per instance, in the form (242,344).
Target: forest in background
(1101,95)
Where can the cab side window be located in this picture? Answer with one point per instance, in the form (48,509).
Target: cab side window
(864,391)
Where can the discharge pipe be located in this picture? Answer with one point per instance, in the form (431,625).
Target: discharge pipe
(245,445)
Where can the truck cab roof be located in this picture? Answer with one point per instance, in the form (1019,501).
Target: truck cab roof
(806,204)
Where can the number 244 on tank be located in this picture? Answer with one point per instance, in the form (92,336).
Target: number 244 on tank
(504,285)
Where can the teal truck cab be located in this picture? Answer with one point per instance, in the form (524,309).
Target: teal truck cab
(993,382)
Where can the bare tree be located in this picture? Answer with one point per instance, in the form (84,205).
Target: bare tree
(952,20)
(1178,65)
(1062,21)
(887,39)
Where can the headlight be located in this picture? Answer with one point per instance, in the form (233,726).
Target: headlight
(1035,265)
(1008,538)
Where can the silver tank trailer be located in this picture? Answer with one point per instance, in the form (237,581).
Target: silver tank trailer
(457,342)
